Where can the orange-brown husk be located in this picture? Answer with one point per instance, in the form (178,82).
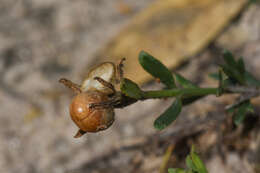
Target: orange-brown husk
(91,119)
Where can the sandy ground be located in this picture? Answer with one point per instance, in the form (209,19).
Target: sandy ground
(41,41)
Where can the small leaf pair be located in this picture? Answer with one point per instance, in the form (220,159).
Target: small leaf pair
(194,164)
(236,72)
(161,72)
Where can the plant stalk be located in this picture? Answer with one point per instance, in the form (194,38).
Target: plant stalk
(184,92)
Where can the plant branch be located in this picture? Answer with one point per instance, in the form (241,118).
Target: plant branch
(243,89)
(246,93)
(184,92)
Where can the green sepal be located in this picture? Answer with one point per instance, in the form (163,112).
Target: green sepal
(169,115)
(156,69)
(131,89)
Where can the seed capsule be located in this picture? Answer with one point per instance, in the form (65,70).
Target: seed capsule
(91,119)
(98,88)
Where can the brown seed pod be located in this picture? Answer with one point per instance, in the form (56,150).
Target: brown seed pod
(97,88)
(91,119)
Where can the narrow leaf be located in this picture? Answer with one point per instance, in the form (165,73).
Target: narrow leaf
(197,162)
(234,70)
(214,76)
(242,110)
(131,89)
(176,170)
(169,115)
(234,74)
(156,69)
(185,83)
(241,66)
(226,82)
(251,80)
(189,163)
(220,83)
(232,108)
(229,59)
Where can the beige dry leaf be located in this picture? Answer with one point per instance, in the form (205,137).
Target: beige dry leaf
(170,30)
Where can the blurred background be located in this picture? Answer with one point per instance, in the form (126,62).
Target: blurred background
(44,40)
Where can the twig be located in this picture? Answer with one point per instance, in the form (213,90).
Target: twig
(243,89)
(246,94)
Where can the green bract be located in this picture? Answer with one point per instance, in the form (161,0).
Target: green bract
(131,89)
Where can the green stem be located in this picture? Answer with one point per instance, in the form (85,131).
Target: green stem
(184,92)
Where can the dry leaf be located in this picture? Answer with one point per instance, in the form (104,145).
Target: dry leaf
(171,30)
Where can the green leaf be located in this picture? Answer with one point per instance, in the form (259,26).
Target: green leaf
(241,66)
(214,76)
(254,1)
(189,163)
(197,162)
(226,82)
(131,89)
(156,69)
(235,107)
(221,83)
(242,110)
(194,163)
(169,115)
(176,170)
(185,83)
(229,59)
(251,80)
(234,74)
(234,70)
(232,109)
